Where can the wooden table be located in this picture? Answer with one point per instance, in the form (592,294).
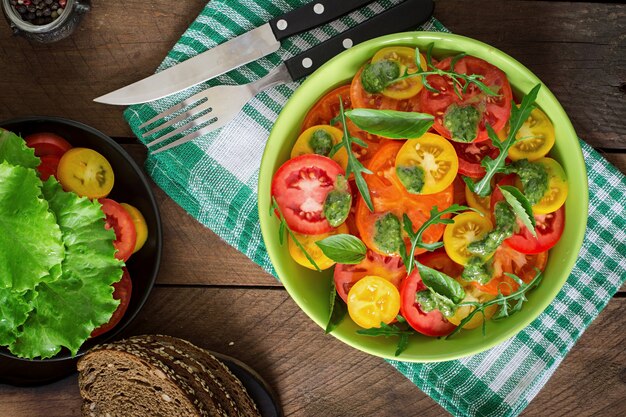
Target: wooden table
(209,293)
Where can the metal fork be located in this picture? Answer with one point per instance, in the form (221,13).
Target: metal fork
(213,108)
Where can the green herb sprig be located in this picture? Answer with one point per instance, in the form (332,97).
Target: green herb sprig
(338,309)
(274,208)
(354,165)
(509,304)
(493,166)
(436,217)
(460,82)
(521,206)
(393,330)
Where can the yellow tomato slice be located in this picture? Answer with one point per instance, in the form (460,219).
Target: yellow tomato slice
(467,227)
(535,138)
(308,242)
(313,136)
(558,189)
(373,300)
(140,225)
(482,204)
(431,157)
(473,294)
(85,172)
(404,56)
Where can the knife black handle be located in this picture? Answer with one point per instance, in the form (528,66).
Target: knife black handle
(404,16)
(312,15)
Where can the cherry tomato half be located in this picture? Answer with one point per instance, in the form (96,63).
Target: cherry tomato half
(388,267)
(118,219)
(535,137)
(122,291)
(303,145)
(362,99)
(467,228)
(46,143)
(48,166)
(85,172)
(308,242)
(405,57)
(141,227)
(470,156)
(432,323)
(300,187)
(373,300)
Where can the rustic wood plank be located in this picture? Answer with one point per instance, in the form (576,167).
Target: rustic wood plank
(577,49)
(317,375)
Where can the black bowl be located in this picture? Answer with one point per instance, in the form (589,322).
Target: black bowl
(132,187)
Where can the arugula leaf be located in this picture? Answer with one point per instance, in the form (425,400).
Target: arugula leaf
(30,239)
(416,237)
(284,227)
(391,124)
(386,330)
(338,309)
(516,121)
(508,305)
(354,165)
(520,205)
(70,307)
(343,248)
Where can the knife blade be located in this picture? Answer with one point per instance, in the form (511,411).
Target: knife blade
(238,51)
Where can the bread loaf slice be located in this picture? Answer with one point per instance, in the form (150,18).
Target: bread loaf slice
(159,375)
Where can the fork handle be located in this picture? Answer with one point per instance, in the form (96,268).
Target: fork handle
(311,15)
(404,16)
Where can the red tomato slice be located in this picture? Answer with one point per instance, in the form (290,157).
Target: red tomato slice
(471,154)
(119,220)
(509,260)
(548,227)
(390,268)
(495,110)
(48,166)
(46,143)
(361,98)
(122,291)
(300,187)
(440,261)
(432,323)
(389,196)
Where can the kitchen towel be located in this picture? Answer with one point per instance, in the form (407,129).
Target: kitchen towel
(216,182)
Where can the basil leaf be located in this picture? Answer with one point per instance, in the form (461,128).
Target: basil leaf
(343,248)
(520,205)
(391,124)
(441,283)
(338,309)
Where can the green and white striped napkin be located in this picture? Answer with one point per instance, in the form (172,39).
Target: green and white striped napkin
(214,178)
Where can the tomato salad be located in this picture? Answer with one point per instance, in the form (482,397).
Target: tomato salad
(428,189)
(88,174)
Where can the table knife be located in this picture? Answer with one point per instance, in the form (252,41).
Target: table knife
(238,51)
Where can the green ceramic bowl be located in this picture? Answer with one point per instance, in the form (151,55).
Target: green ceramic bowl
(310,289)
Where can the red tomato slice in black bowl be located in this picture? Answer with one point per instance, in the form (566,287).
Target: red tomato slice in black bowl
(118,219)
(48,166)
(122,291)
(548,227)
(432,323)
(45,143)
(300,187)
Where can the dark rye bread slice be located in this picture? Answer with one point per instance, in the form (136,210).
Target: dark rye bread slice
(190,368)
(220,374)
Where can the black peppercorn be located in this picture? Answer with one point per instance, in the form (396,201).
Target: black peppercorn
(39,12)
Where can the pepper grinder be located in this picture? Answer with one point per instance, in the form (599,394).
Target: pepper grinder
(31,20)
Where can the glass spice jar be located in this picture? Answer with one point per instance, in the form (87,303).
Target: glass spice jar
(44,20)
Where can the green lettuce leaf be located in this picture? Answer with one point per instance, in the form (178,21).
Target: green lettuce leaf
(13,150)
(14,309)
(30,239)
(68,309)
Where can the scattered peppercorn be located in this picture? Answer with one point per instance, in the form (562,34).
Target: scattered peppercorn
(39,12)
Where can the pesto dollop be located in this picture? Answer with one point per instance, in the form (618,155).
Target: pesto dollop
(462,122)
(505,227)
(388,233)
(338,202)
(477,270)
(321,142)
(412,177)
(534,178)
(375,77)
(429,301)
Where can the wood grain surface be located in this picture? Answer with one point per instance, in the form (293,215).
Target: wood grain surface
(212,295)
